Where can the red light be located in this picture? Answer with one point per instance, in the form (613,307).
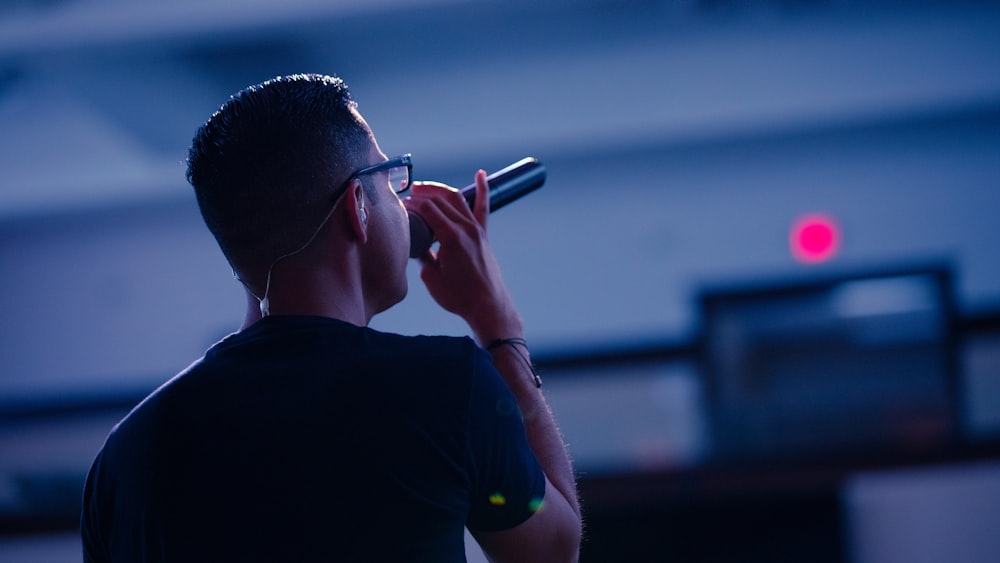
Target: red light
(814,238)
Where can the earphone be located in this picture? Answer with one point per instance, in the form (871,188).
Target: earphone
(362,212)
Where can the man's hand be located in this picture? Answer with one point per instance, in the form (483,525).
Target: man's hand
(462,275)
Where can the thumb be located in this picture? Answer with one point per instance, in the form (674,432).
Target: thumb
(481,208)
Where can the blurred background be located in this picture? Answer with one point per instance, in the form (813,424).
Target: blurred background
(762,281)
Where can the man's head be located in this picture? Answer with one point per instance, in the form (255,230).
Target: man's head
(268,165)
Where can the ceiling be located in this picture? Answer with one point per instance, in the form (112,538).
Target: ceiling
(99,98)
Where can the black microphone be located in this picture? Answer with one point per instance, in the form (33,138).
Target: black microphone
(506,185)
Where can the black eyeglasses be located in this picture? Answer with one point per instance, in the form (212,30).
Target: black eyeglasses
(400,171)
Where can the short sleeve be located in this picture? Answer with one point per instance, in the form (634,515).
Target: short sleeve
(94,548)
(508,481)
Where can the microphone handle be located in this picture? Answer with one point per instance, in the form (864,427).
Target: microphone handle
(506,185)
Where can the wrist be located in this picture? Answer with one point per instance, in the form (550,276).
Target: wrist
(519,347)
(496,322)
(491,332)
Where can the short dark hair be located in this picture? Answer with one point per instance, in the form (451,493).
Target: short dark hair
(267,165)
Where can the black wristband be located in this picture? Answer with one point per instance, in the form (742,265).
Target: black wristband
(514,343)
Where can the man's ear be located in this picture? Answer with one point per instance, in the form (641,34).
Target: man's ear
(356,209)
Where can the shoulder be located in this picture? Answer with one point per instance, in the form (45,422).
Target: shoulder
(441,350)
(132,430)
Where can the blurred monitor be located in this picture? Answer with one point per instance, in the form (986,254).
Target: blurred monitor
(827,365)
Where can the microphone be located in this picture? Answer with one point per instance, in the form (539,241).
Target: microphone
(506,185)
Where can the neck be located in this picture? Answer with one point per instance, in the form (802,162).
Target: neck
(253,311)
(314,292)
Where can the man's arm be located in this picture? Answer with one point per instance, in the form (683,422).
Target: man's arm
(553,533)
(464,278)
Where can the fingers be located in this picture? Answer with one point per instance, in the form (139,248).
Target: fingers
(440,214)
(481,209)
(446,210)
(427,187)
(434,194)
(446,222)
(481,205)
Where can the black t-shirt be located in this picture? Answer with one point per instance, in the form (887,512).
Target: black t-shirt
(310,439)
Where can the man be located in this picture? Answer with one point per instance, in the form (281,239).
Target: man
(307,436)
